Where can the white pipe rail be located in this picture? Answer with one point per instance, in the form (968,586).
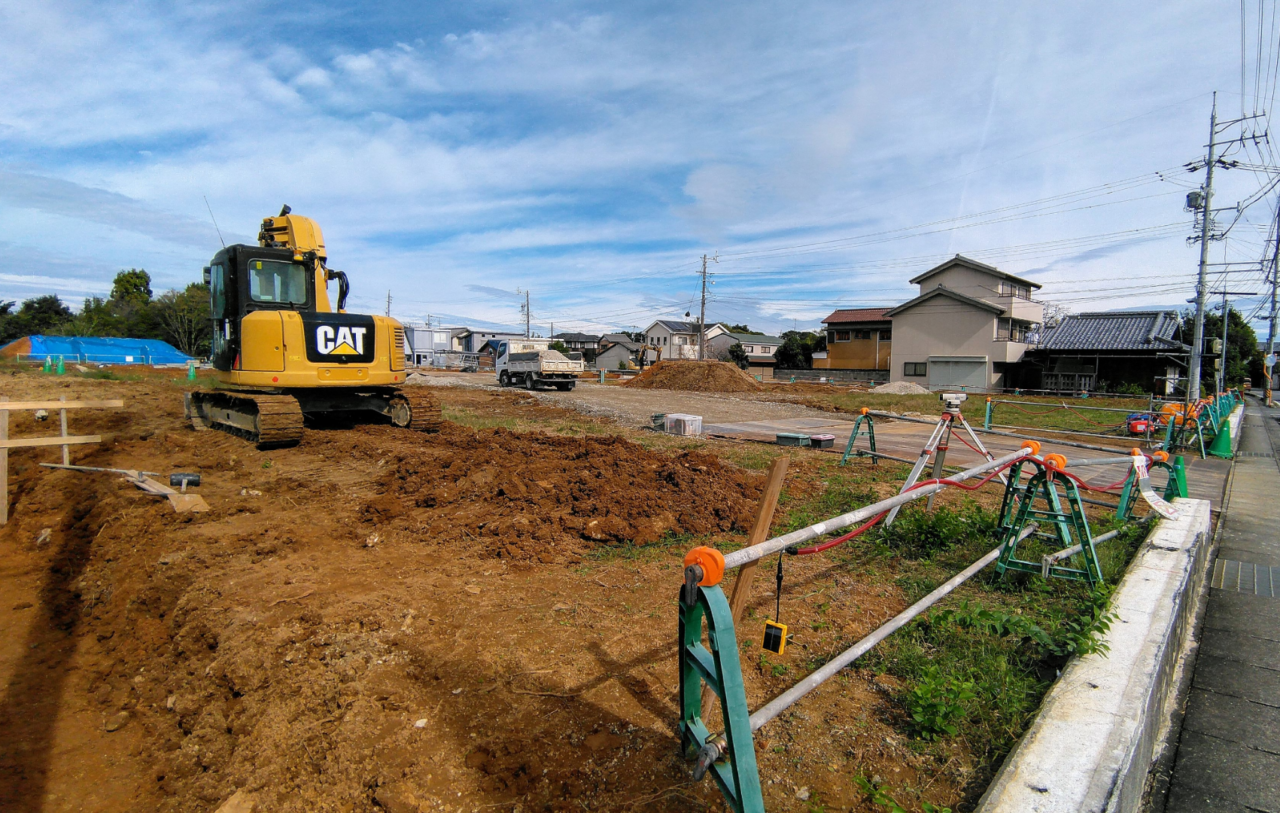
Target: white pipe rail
(824,673)
(757,552)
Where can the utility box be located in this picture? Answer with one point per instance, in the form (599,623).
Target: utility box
(677,423)
(822,441)
(791,439)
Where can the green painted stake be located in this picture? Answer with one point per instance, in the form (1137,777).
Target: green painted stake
(62,367)
(871,436)
(1068,525)
(986,421)
(736,772)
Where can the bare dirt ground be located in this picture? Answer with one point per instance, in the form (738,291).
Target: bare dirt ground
(383,621)
(636,406)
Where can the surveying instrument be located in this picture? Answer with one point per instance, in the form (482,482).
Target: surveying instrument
(936,446)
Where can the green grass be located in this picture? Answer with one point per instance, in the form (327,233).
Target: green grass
(1030,411)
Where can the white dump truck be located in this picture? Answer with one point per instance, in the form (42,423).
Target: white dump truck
(531,364)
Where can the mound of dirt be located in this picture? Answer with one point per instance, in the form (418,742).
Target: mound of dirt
(695,376)
(901,388)
(530,496)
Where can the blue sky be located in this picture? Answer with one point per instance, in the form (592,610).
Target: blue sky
(591,153)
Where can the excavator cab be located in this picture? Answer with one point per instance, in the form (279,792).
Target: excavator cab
(279,342)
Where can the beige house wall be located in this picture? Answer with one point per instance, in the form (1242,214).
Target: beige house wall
(963,280)
(941,327)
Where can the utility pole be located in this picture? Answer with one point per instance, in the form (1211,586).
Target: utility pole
(1202,288)
(702,314)
(388,303)
(527,316)
(1222,359)
(1271,333)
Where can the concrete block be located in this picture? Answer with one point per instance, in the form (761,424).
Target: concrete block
(1099,728)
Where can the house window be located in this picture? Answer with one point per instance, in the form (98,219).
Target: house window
(840,335)
(862,334)
(915,368)
(750,348)
(886,334)
(1011,330)
(1015,290)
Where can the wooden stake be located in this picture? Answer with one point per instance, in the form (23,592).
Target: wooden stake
(759,533)
(66,450)
(4,465)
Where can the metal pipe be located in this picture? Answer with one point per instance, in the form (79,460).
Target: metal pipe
(1064,406)
(1051,559)
(757,552)
(1100,461)
(1060,431)
(882,414)
(828,670)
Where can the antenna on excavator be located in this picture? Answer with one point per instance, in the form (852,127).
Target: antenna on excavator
(214,219)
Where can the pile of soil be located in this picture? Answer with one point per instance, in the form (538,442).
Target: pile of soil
(695,376)
(901,388)
(530,496)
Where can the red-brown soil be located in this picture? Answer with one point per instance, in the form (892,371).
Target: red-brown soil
(695,376)
(340,633)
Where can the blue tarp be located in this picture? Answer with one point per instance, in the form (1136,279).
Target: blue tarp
(98,350)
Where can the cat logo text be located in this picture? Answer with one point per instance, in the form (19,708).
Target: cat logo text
(342,340)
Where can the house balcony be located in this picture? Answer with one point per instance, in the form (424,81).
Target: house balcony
(1008,351)
(1024,310)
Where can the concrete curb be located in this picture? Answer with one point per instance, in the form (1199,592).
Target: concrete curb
(1234,420)
(1098,731)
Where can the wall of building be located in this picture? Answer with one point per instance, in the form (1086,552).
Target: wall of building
(941,327)
(874,353)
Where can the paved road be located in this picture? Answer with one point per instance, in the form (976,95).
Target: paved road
(1228,756)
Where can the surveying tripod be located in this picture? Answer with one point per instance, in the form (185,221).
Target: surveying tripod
(937,445)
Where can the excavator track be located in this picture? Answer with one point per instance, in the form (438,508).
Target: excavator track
(424,409)
(270,421)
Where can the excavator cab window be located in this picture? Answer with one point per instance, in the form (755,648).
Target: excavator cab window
(277,283)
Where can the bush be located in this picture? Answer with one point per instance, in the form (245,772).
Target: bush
(938,702)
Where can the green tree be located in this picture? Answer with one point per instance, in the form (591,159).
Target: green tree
(797,349)
(736,328)
(132,287)
(184,320)
(39,315)
(559,347)
(1243,359)
(736,355)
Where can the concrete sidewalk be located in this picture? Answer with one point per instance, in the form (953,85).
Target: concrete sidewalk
(1228,754)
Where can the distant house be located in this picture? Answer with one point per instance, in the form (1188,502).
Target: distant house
(678,340)
(578,341)
(968,329)
(466,340)
(760,350)
(1088,352)
(616,349)
(857,339)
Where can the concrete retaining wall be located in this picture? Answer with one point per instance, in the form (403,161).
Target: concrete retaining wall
(1100,727)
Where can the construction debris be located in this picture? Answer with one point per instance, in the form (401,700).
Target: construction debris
(695,376)
(901,388)
(181,501)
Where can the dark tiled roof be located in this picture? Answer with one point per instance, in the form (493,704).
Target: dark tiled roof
(943,290)
(1117,330)
(960,259)
(679,327)
(755,338)
(857,315)
(577,337)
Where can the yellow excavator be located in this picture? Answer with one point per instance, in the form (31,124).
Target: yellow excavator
(282,351)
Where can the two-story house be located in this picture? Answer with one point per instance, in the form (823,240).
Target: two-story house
(857,339)
(760,350)
(966,329)
(679,340)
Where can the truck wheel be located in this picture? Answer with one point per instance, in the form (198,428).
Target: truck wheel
(529,382)
(504,380)
(564,387)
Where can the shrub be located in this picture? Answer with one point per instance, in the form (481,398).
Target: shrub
(919,534)
(937,703)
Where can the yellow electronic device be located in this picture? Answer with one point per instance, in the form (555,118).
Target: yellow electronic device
(775,637)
